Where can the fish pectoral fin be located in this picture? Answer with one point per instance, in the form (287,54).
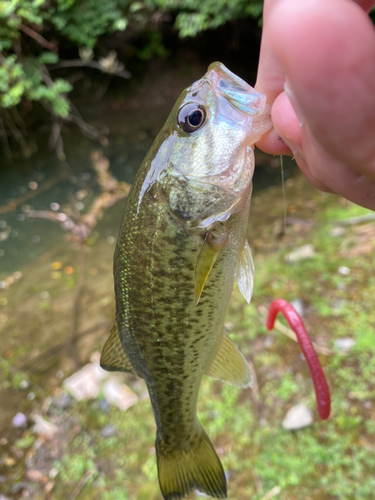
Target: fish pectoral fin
(230,366)
(245,272)
(113,358)
(206,259)
(197,467)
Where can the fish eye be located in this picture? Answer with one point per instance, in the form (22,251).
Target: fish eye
(191,117)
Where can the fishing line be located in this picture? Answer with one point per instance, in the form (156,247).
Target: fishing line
(283,189)
(288,287)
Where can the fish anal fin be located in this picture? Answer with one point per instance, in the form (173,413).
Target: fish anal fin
(206,259)
(245,272)
(230,366)
(197,466)
(113,358)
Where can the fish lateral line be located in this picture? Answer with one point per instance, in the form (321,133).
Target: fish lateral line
(323,397)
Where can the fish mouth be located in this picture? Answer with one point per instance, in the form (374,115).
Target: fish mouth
(237,91)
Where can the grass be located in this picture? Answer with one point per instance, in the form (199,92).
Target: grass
(330,460)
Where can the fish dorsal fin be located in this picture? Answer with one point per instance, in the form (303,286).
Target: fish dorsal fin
(245,272)
(206,259)
(113,358)
(230,366)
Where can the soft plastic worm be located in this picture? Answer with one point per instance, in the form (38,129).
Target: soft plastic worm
(323,398)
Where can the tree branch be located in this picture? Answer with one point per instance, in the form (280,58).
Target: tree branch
(38,38)
(78,63)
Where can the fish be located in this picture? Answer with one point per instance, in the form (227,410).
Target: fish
(181,244)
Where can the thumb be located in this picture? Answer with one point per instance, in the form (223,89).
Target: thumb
(327,50)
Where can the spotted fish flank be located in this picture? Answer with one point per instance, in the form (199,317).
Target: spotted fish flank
(181,244)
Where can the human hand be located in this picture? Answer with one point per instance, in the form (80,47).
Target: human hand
(317,69)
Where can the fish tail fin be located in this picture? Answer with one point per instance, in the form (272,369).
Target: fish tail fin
(196,467)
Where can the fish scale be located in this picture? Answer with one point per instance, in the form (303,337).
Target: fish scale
(181,244)
(173,325)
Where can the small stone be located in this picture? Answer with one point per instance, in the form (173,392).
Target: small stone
(43,428)
(300,253)
(268,341)
(62,401)
(9,461)
(85,384)
(103,405)
(19,421)
(297,417)
(79,205)
(337,231)
(48,487)
(344,344)
(298,306)
(36,475)
(118,394)
(53,473)
(343,270)
(108,431)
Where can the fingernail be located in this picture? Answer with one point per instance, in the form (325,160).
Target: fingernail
(292,98)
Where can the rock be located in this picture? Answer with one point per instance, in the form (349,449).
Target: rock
(19,421)
(108,431)
(9,461)
(300,253)
(103,405)
(43,428)
(337,231)
(297,417)
(344,344)
(36,475)
(119,394)
(85,384)
(343,270)
(298,306)
(62,401)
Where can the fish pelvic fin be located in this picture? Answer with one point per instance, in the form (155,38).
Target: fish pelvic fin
(245,272)
(196,467)
(230,366)
(113,358)
(206,259)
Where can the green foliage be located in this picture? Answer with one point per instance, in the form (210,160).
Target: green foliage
(24,61)
(84,21)
(32,32)
(195,16)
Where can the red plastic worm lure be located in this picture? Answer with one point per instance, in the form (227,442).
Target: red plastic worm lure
(323,398)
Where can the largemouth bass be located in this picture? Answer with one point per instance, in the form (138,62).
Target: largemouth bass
(181,244)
